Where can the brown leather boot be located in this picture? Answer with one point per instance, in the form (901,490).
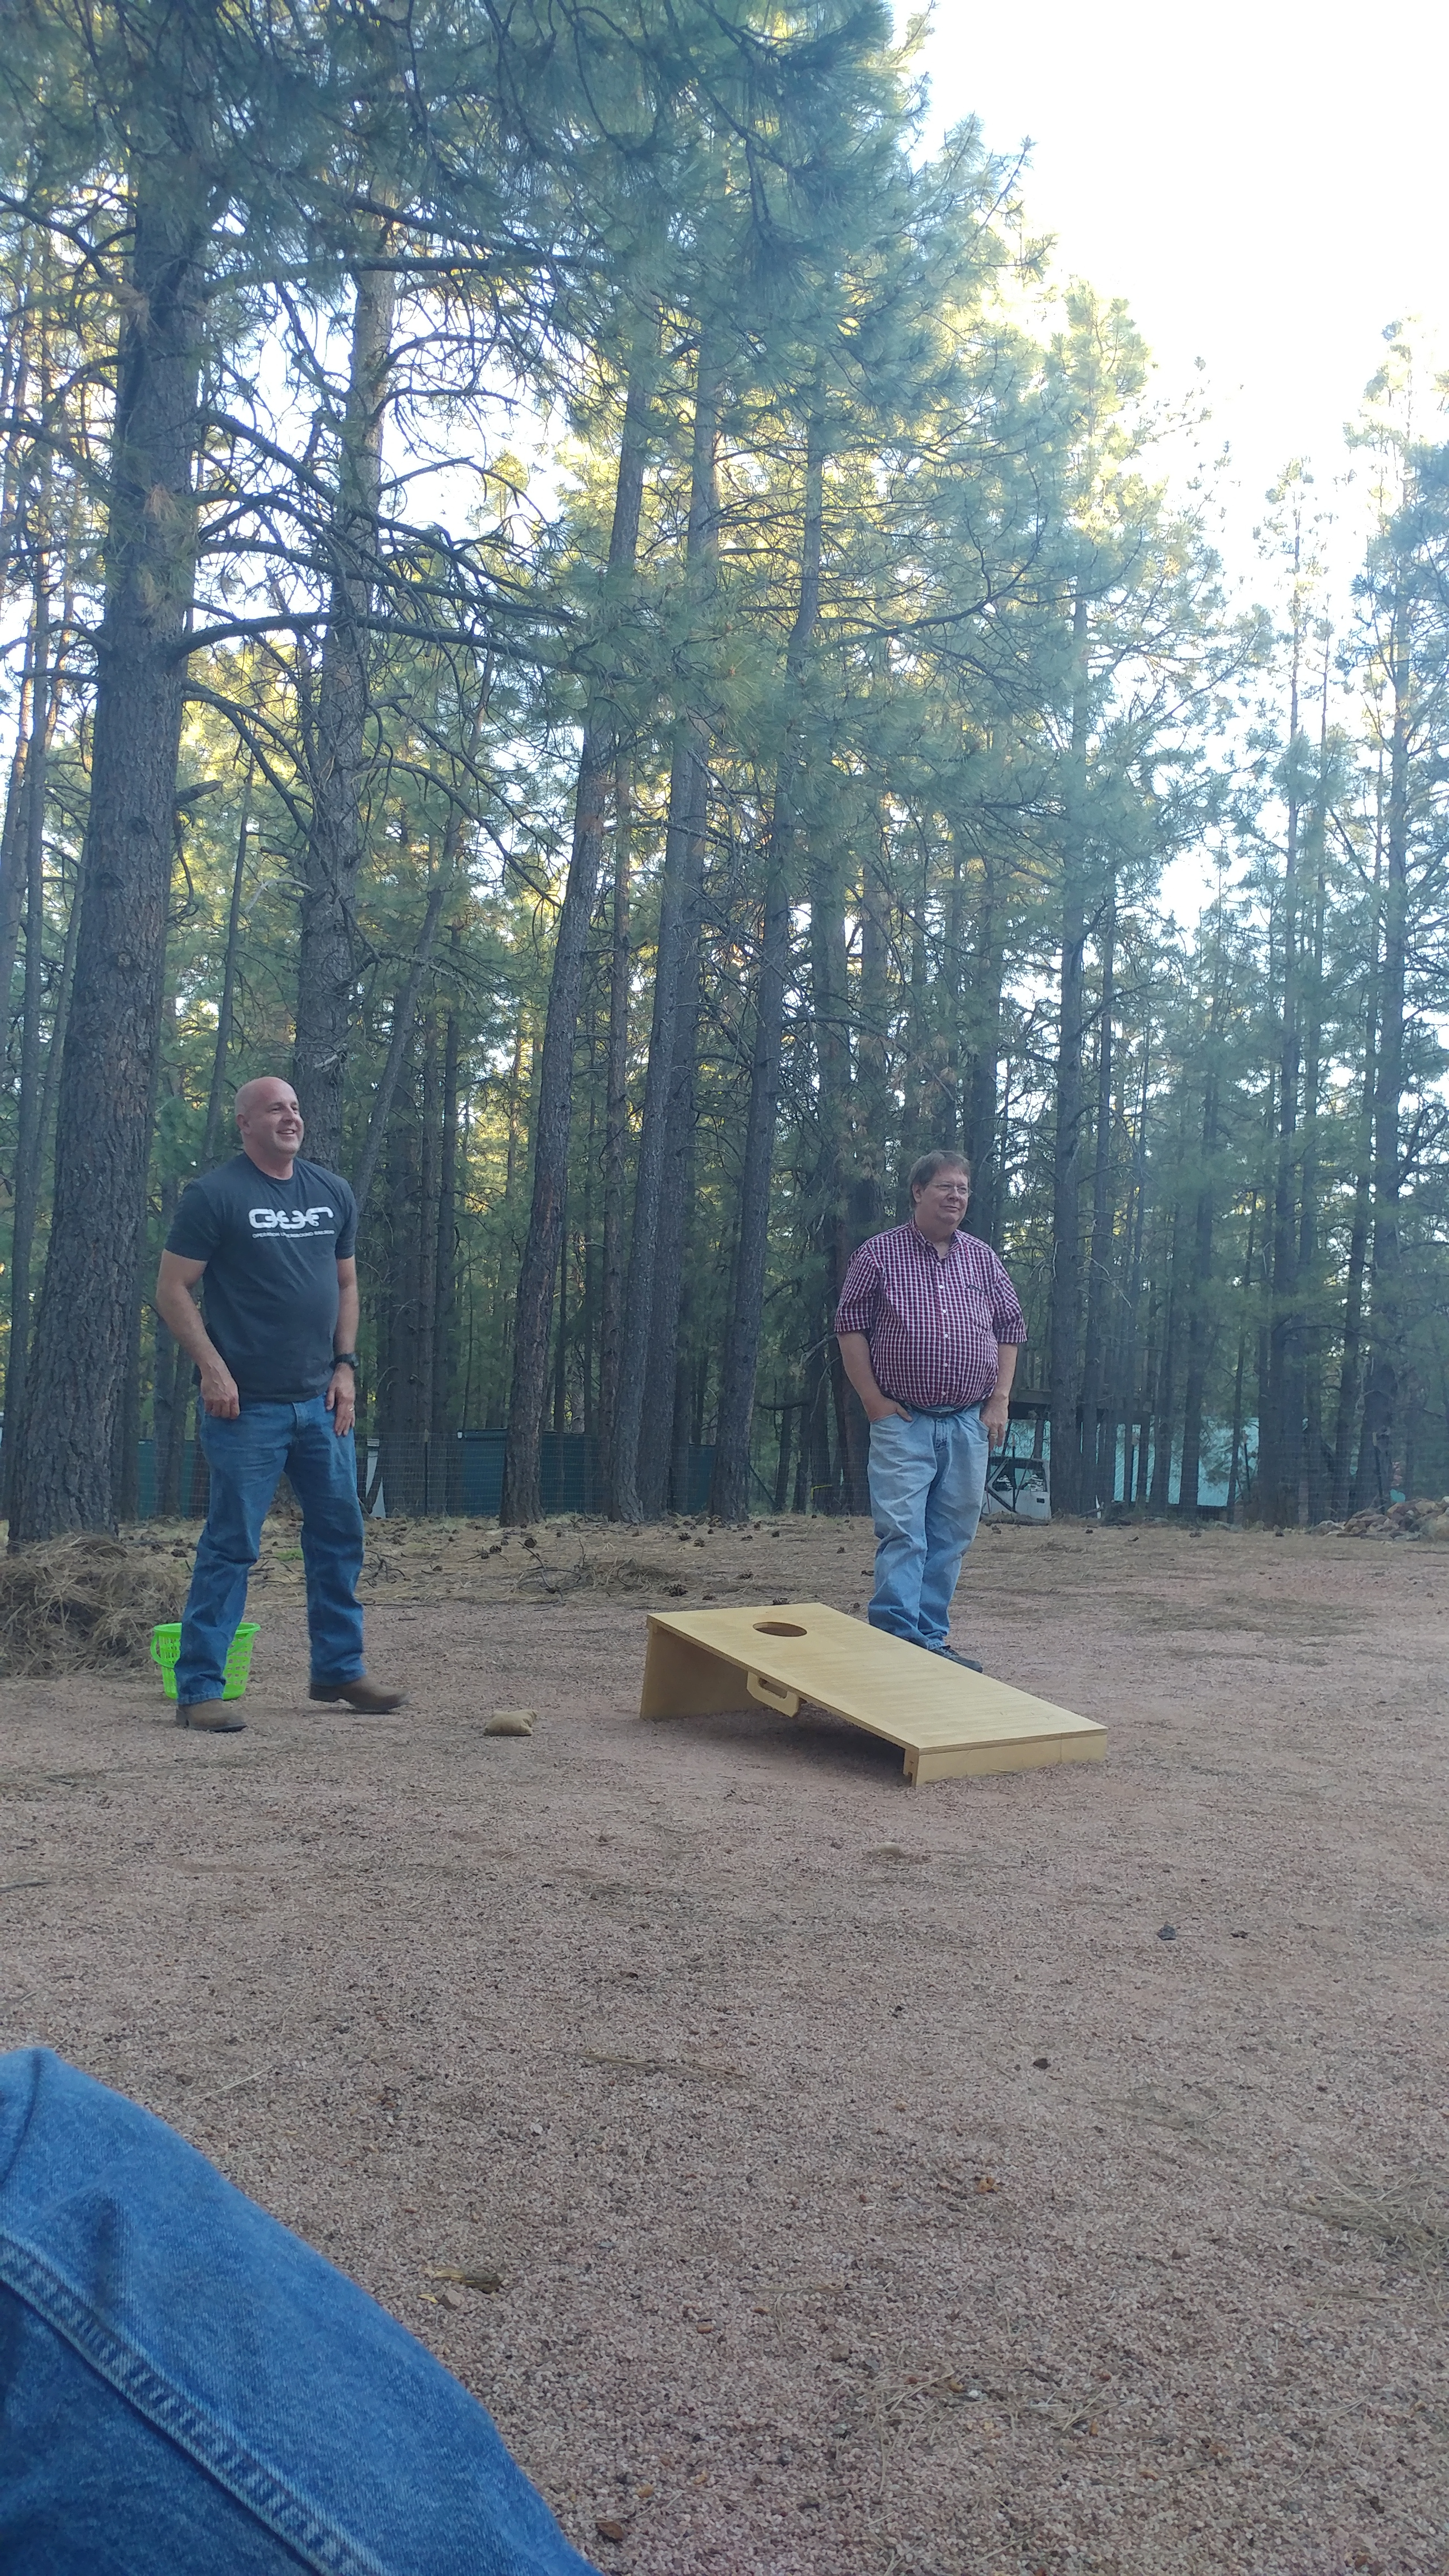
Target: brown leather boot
(210,1717)
(369,1698)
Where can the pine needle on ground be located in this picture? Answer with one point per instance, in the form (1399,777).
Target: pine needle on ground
(82,1603)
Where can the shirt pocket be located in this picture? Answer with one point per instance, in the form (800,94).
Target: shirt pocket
(974,1311)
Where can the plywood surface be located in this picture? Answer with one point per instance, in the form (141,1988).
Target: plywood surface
(948,1722)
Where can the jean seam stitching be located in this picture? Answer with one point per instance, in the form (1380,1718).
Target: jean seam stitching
(144,2387)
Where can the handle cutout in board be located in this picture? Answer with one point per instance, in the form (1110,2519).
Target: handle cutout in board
(786,1703)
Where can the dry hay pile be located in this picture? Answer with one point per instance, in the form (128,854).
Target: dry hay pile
(81,1603)
(1419,1519)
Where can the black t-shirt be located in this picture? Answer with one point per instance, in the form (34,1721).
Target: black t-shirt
(271,1250)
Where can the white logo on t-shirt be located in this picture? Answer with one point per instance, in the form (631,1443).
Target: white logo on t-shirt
(267,1220)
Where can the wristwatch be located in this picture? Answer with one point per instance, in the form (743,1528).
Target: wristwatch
(345,1359)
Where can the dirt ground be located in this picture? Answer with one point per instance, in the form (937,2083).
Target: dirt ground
(958,2222)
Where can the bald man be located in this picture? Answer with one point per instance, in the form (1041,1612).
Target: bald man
(272,1238)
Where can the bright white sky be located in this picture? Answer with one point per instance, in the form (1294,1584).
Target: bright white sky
(1264,181)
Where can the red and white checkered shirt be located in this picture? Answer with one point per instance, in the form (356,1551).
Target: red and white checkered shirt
(933,1326)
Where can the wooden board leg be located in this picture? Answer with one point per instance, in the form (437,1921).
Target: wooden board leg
(685,1680)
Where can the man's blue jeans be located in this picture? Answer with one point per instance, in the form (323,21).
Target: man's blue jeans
(188,2390)
(246,1457)
(927,1481)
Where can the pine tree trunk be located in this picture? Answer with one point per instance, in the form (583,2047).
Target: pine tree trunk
(669,1084)
(782,1463)
(1093,1354)
(1199,1317)
(729,1496)
(63,1476)
(656,1449)
(686,1364)
(554,1113)
(1386,1353)
(12,833)
(1233,1511)
(1137,1393)
(979,1124)
(1314,1474)
(425,1311)
(916,1072)
(28,1140)
(337,756)
(1345,1498)
(734,1430)
(1281,1432)
(404,1009)
(1066,1286)
(444,1441)
(55,1052)
(830,1231)
(616,1134)
(400,1427)
(1163,1405)
(126,1448)
(949,1124)
(226,1007)
(874,1108)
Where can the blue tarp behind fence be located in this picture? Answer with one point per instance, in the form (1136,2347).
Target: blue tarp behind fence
(464,1475)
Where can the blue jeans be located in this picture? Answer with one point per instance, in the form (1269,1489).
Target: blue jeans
(188,2390)
(246,1457)
(927,1480)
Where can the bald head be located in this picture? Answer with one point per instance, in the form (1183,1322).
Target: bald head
(270,1124)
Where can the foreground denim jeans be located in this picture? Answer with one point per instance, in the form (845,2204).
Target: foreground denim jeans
(927,1480)
(188,2390)
(246,1457)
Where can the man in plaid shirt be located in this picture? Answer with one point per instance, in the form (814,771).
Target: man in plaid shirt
(929,1328)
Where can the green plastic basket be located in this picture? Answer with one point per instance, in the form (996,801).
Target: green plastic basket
(166,1646)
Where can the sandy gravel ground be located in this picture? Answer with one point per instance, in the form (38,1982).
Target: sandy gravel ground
(871,2185)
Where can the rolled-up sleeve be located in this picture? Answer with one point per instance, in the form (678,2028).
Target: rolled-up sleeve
(1007,1320)
(860,1295)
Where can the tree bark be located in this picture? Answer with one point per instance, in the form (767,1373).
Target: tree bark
(445,1274)
(669,1084)
(12,831)
(1281,1431)
(425,1311)
(1234,1505)
(1386,1351)
(874,1108)
(1315,1468)
(1344,1499)
(63,1474)
(656,1450)
(979,1121)
(616,1133)
(1199,1317)
(553,1117)
(326,958)
(404,1010)
(226,1007)
(27,1151)
(1066,1292)
(1160,1493)
(729,1499)
(1093,1352)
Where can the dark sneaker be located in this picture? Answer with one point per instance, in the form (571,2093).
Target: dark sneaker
(951,1657)
(368,1697)
(210,1717)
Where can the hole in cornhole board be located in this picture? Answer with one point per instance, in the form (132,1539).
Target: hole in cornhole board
(779,1628)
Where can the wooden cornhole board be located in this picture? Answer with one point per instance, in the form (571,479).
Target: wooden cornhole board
(950,1724)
